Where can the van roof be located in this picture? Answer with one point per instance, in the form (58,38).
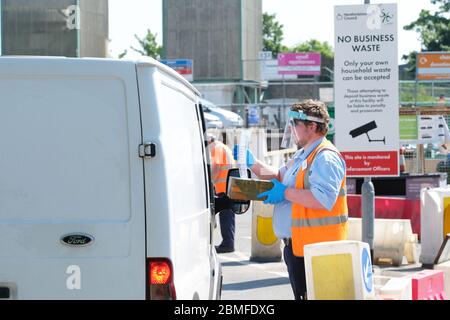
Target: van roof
(148,61)
(143,61)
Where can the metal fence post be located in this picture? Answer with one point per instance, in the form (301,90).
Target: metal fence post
(368,207)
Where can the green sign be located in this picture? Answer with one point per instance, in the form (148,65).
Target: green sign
(408,127)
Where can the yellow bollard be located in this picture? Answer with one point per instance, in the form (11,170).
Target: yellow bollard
(264,231)
(265,245)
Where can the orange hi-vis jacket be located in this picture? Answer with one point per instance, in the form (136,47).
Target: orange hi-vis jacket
(312,225)
(221,161)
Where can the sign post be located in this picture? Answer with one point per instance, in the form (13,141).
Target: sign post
(185,67)
(433,66)
(306,64)
(366,97)
(265,55)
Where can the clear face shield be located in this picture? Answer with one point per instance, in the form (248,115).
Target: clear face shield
(290,138)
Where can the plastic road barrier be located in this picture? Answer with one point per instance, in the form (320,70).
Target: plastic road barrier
(339,270)
(428,285)
(434,222)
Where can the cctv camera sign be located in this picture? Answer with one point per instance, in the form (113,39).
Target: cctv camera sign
(366,89)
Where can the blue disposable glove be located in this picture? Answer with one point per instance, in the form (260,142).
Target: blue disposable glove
(274,195)
(250,157)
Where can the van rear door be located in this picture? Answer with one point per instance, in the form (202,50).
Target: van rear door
(70,172)
(177,197)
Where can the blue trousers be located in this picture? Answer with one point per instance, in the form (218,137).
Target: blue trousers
(296,270)
(227,227)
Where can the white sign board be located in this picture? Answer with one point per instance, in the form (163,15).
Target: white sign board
(185,67)
(366,88)
(432,129)
(265,55)
(269,71)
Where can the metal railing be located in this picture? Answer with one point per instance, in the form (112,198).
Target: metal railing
(421,97)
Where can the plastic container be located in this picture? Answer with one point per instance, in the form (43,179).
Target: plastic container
(247,189)
(411,249)
(242,152)
(390,238)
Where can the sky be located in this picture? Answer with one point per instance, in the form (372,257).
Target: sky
(302,19)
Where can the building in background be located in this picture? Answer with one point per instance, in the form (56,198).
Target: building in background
(223,38)
(71,28)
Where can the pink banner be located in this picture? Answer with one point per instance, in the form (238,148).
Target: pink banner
(299,63)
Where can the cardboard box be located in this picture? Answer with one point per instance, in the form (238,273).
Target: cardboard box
(247,189)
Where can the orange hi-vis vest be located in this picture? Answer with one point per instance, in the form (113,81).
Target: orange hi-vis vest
(221,161)
(312,225)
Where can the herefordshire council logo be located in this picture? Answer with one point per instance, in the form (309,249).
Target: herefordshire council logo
(386,17)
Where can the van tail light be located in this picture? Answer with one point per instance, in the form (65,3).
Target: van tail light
(160,284)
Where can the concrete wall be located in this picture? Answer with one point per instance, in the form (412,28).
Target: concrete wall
(251,38)
(206,31)
(37,27)
(220,94)
(48,28)
(94,31)
(216,34)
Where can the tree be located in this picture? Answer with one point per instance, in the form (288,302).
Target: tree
(272,35)
(123,54)
(434,31)
(149,46)
(314,45)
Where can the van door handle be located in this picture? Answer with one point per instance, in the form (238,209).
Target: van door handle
(147,150)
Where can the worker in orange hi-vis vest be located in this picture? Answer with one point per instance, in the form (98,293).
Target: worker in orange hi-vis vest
(309,192)
(221,161)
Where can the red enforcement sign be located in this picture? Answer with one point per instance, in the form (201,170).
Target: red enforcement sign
(375,163)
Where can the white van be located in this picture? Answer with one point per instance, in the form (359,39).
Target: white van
(212,121)
(104,190)
(228,118)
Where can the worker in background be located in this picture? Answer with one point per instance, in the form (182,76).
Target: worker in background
(221,161)
(309,192)
(441,99)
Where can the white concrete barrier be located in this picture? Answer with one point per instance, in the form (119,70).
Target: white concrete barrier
(265,245)
(339,270)
(434,222)
(378,282)
(390,237)
(398,288)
